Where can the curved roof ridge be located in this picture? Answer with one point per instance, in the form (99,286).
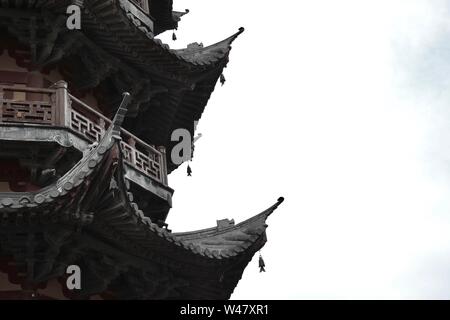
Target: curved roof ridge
(214,231)
(178,14)
(218,243)
(72,179)
(198,54)
(265,214)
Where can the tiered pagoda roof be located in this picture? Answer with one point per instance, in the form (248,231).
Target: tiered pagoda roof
(90,211)
(114,52)
(104,204)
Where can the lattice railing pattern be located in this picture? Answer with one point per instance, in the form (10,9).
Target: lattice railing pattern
(27,112)
(92,130)
(149,163)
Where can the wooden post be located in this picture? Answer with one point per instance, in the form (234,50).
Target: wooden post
(132,143)
(61,105)
(163,164)
(2,102)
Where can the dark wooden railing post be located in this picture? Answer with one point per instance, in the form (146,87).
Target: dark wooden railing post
(132,143)
(62,108)
(2,102)
(163,164)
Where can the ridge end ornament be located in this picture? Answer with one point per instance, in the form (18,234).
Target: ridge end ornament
(120,115)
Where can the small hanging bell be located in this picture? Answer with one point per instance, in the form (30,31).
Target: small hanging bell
(222,79)
(174,36)
(189,171)
(262,265)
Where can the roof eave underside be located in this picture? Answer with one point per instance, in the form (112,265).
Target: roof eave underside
(108,25)
(150,54)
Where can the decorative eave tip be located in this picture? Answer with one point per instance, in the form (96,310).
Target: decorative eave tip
(276,205)
(227,42)
(267,213)
(177,15)
(240,31)
(121,114)
(196,53)
(230,40)
(237,34)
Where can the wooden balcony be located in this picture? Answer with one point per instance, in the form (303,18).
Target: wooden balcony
(57,108)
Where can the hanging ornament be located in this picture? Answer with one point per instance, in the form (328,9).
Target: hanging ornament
(262,265)
(222,79)
(174,36)
(189,171)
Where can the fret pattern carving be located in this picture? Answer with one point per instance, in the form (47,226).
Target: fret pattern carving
(150,164)
(89,129)
(37,112)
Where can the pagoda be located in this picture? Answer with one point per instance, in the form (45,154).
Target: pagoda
(86,118)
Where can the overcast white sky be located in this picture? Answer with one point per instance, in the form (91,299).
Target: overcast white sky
(342,107)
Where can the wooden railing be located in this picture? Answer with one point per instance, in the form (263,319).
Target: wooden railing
(57,107)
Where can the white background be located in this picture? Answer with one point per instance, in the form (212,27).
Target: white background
(342,107)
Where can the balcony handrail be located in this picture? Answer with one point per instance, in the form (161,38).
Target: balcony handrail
(83,104)
(64,117)
(109,122)
(90,109)
(27,89)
